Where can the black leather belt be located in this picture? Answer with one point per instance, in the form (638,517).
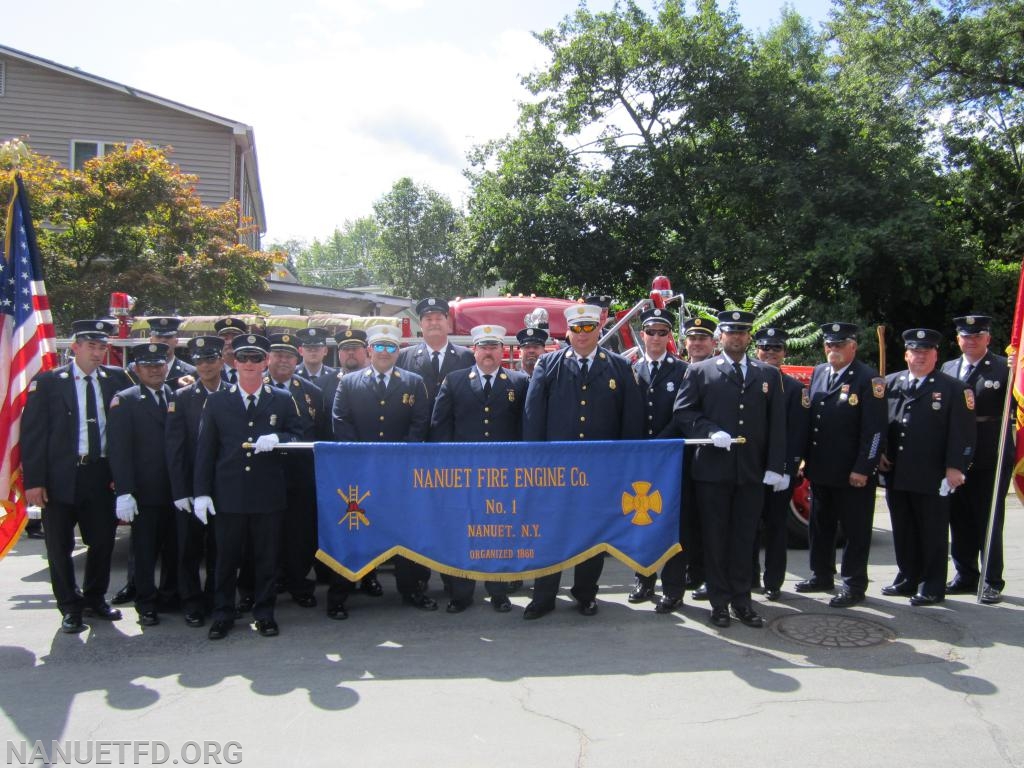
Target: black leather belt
(85,461)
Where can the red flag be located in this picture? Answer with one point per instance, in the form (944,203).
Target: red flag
(1016,332)
(27,346)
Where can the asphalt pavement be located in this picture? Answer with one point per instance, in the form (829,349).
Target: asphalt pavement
(883,682)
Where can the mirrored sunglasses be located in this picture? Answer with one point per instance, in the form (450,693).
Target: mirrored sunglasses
(250,357)
(656,331)
(583,327)
(384,346)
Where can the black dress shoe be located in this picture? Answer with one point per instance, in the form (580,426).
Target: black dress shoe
(370,586)
(922,599)
(34,533)
(454,606)
(514,586)
(587,607)
(814,585)
(897,590)
(770,593)
(535,610)
(245,604)
(148,619)
(959,586)
(72,624)
(420,600)
(668,604)
(195,619)
(748,616)
(267,628)
(337,612)
(219,629)
(643,590)
(125,594)
(701,593)
(103,611)
(720,617)
(846,598)
(501,604)
(305,601)
(991,596)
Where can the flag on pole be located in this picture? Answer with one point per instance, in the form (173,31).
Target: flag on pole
(1016,332)
(27,346)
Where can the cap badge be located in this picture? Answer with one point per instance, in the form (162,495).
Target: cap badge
(200,342)
(99,326)
(152,347)
(286,338)
(920,334)
(431,302)
(735,315)
(771,332)
(835,327)
(251,339)
(697,321)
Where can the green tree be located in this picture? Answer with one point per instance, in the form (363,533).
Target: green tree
(340,261)
(131,221)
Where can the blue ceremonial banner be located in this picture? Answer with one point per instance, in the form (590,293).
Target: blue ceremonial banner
(498,511)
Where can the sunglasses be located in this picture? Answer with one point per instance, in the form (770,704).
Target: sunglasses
(583,327)
(384,346)
(836,344)
(656,332)
(250,357)
(772,347)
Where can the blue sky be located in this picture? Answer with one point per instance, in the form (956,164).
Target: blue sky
(345,96)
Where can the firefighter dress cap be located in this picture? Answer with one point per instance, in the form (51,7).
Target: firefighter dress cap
(230,325)
(487,334)
(164,327)
(921,338)
(150,354)
(532,336)
(351,337)
(383,333)
(971,324)
(658,315)
(312,337)
(735,320)
(833,332)
(599,301)
(205,347)
(432,304)
(251,342)
(284,342)
(94,330)
(699,326)
(766,337)
(582,313)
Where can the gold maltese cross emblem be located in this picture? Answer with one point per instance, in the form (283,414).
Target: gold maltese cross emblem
(641,503)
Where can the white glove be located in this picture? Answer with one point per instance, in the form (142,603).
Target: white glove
(773,479)
(721,439)
(185,505)
(782,485)
(265,443)
(944,489)
(126,509)
(203,508)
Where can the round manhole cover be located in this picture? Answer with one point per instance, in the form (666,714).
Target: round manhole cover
(832,631)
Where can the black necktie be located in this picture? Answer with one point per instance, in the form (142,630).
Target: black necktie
(584,367)
(487,386)
(968,371)
(382,387)
(913,386)
(92,421)
(654,369)
(739,371)
(250,410)
(233,376)
(436,361)
(831,379)
(160,401)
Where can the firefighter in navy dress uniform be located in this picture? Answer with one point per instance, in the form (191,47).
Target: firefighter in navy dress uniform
(239,479)
(659,374)
(929,449)
(312,344)
(385,404)
(197,547)
(988,375)
(580,392)
(136,428)
(721,398)
(66,472)
(847,437)
(532,343)
(435,357)
(480,404)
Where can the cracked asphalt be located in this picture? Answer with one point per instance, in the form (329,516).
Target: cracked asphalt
(395,686)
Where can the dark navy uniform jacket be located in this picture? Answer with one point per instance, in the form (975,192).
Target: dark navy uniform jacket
(712,399)
(462,414)
(561,405)
(989,381)
(360,414)
(798,406)
(136,446)
(182,434)
(848,424)
(928,431)
(177,370)
(418,360)
(240,480)
(321,379)
(49,428)
(660,396)
(309,400)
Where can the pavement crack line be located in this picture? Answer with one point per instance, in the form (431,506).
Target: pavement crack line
(583,740)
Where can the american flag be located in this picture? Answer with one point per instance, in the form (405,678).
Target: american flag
(27,346)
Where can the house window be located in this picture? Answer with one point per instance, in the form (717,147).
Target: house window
(84,151)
